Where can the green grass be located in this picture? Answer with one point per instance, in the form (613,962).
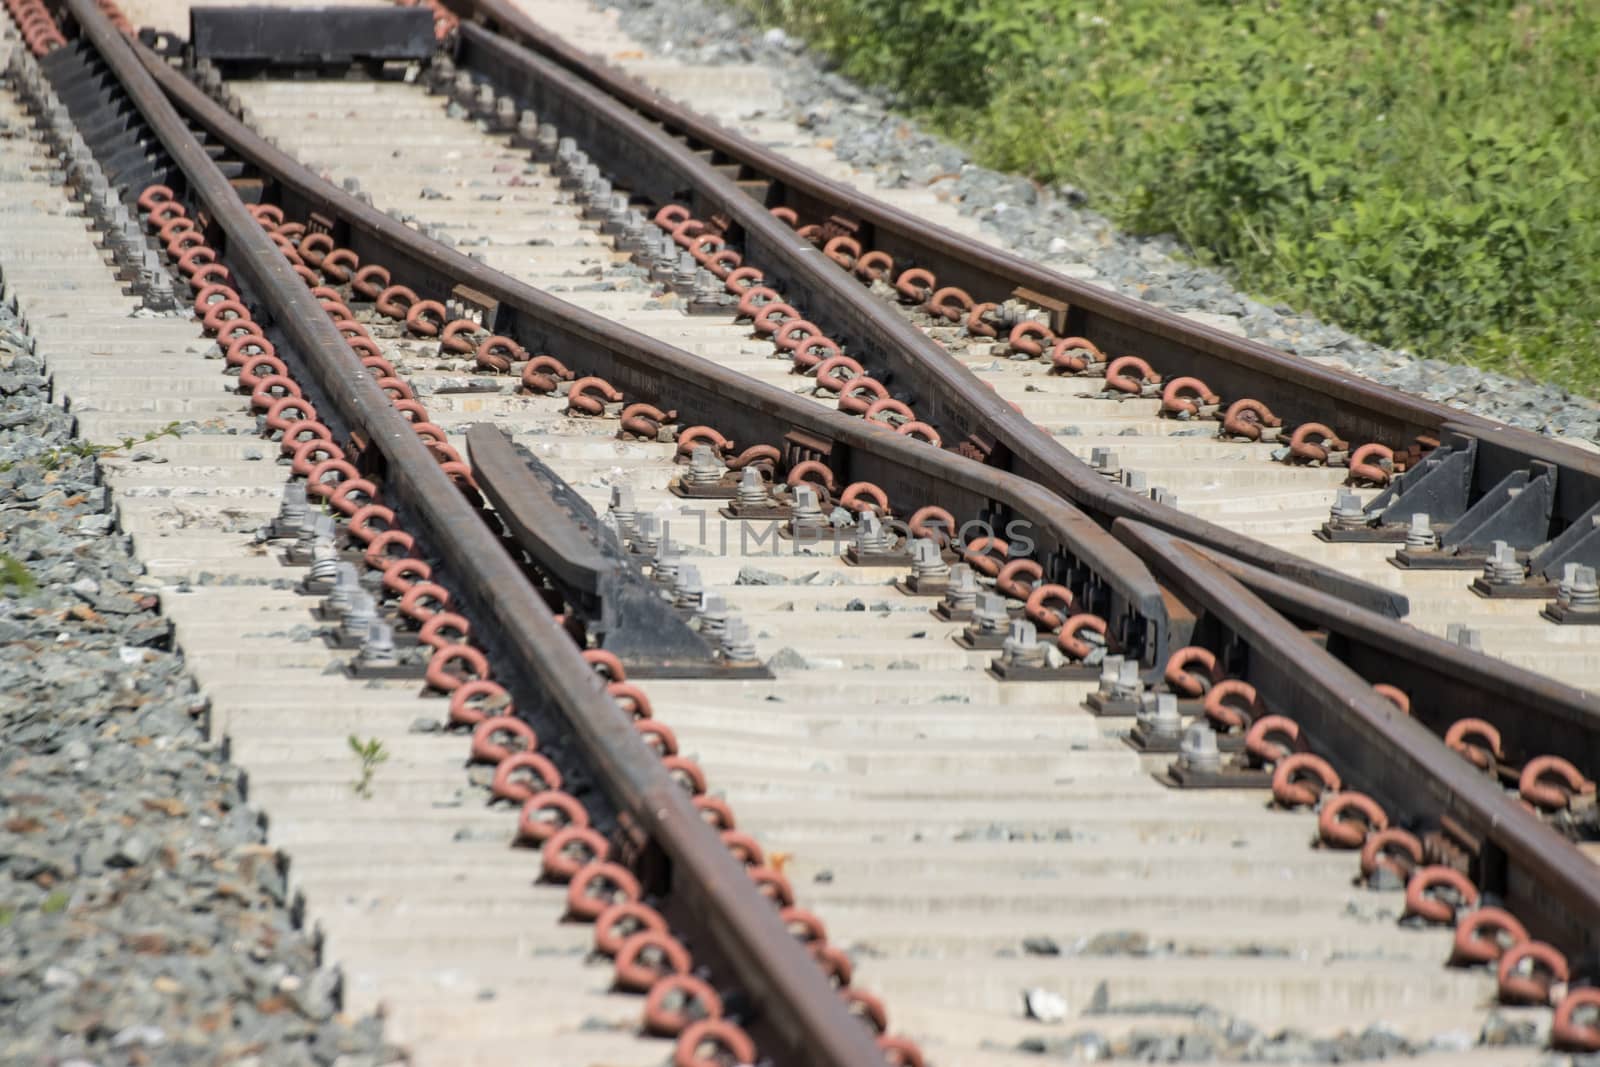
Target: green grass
(1419,171)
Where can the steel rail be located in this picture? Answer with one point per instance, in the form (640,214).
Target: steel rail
(1110,576)
(797,1009)
(1393,757)
(1535,715)
(650,162)
(1295,388)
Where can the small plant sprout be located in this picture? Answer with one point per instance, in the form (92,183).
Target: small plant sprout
(371,753)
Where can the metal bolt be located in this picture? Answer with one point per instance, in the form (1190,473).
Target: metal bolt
(1109,669)
(871,537)
(738,646)
(1459,633)
(1106,462)
(505,114)
(962,594)
(926,559)
(483,101)
(1579,589)
(752,491)
(1022,646)
(646,534)
(546,145)
(324,560)
(1198,749)
(707,288)
(990,613)
(463,89)
(1163,496)
(1348,512)
(623,511)
(527,127)
(616,220)
(712,616)
(1128,684)
(805,514)
(356,622)
(598,193)
(704,467)
(441,74)
(683,273)
(1164,720)
(687,590)
(1134,480)
(1503,567)
(1420,535)
(292,508)
(635,233)
(665,567)
(345,585)
(378,649)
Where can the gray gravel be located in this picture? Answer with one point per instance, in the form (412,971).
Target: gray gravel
(1056,227)
(143,919)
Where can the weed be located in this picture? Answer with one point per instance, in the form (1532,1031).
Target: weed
(13,575)
(371,753)
(51,459)
(1415,171)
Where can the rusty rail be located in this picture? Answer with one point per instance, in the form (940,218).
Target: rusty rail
(1389,755)
(742,409)
(807,1022)
(651,162)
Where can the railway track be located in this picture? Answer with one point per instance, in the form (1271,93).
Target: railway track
(992,867)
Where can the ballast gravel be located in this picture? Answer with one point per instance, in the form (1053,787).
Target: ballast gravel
(1055,227)
(143,918)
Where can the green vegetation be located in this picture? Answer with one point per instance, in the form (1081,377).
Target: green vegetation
(14,575)
(50,459)
(1416,171)
(370,753)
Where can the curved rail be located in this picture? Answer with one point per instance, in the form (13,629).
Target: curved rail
(642,366)
(793,998)
(654,164)
(1293,387)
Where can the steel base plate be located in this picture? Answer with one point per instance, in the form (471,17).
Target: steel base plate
(1102,706)
(400,672)
(701,492)
(1564,616)
(743,672)
(738,511)
(1361,534)
(899,558)
(981,642)
(334,639)
(1019,673)
(1437,561)
(1140,740)
(915,586)
(1177,776)
(1525,591)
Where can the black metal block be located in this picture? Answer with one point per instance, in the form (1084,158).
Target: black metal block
(310,36)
